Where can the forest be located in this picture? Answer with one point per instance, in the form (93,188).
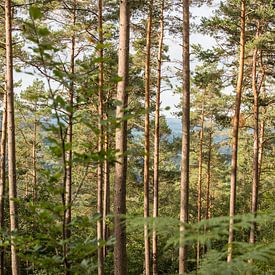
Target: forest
(137,137)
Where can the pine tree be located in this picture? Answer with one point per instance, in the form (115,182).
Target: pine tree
(3,176)
(157,141)
(11,138)
(236,132)
(100,138)
(184,183)
(147,138)
(120,256)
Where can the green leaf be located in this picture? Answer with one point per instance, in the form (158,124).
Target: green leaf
(46,46)
(59,100)
(116,79)
(35,12)
(43,31)
(58,73)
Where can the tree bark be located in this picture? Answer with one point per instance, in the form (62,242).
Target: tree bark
(200,160)
(3,177)
(156,143)
(208,179)
(11,138)
(34,159)
(255,180)
(68,164)
(100,141)
(146,179)
(184,182)
(261,137)
(120,255)
(262,124)
(106,191)
(234,164)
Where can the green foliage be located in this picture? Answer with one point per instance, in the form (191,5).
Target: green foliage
(213,234)
(43,35)
(35,12)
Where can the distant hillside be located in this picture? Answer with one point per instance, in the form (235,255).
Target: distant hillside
(175,125)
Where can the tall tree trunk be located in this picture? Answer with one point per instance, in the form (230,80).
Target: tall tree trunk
(200,177)
(255,183)
(68,174)
(100,140)
(208,179)
(255,180)
(106,189)
(3,176)
(11,138)
(146,179)
(184,182)
(234,164)
(261,137)
(34,160)
(262,124)
(156,142)
(120,255)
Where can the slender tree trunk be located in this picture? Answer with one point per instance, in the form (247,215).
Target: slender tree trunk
(262,124)
(106,191)
(68,174)
(200,178)
(261,139)
(156,142)
(34,160)
(255,181)
(146,180)
(234,164)
(100,140)
(208,179)
(184,183)
(120,255)
(11,138)
(3,177)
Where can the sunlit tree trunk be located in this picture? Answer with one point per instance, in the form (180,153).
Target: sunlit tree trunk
(261,147)
(200,160)
(255,181)
(261,139)
(106,189)
(3,176)
(184,182)
(68,164)
(34,159)
(120,255)
(156,143)
(208,178)
(146,180)
(234,164)
(11,138)
(256,139)
(100,140)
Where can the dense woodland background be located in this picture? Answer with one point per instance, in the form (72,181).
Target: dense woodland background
(96,179)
